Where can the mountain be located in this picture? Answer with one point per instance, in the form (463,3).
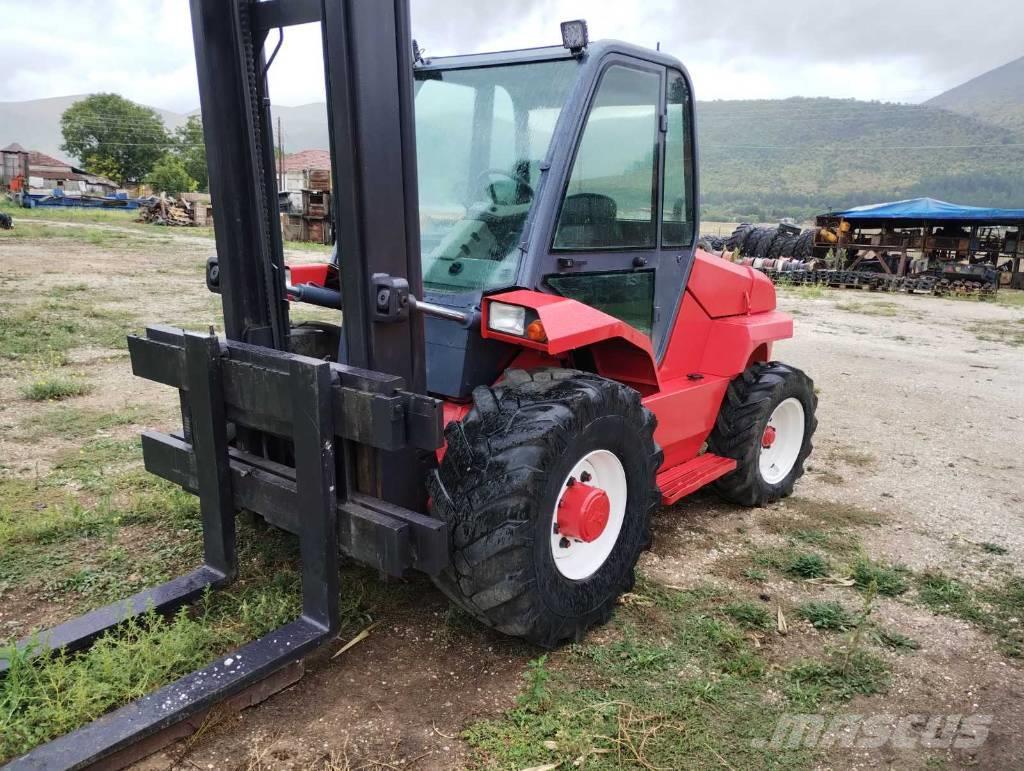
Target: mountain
(760,159)
(35,124)
(764,159)
(996,96)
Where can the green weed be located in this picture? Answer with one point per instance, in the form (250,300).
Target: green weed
(883,308)
(890,581)
(78,422)
(897,641)
(43,333)
(54,388)
(749,614)
(838,677)
(1003,333)
(994,548)
(807,565)
(996,609)
(829,615)
(673,683)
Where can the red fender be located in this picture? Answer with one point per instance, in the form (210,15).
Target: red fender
(620,351)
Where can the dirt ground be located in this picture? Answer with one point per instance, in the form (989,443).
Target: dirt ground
(920,420)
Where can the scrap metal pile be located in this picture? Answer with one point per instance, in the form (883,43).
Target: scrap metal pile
(786,254)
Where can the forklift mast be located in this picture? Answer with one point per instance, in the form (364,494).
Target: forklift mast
(367,54)
(326,450)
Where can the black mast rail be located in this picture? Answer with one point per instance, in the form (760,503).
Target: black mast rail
(331,452)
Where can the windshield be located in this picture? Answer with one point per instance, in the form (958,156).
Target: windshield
(481,135)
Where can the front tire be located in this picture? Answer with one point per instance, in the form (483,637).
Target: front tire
(765,424)
(505,472)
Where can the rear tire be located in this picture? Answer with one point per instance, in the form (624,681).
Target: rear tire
(498,486)
(767,400)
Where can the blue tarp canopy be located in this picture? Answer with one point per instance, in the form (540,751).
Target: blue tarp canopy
(931,209)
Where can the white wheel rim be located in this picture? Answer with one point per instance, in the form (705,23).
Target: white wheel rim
(579,560)
(787,425)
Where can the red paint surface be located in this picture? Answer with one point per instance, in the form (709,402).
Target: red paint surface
(314,273)
(583,512)
(726,321)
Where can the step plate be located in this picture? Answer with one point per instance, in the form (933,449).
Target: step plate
(679,481)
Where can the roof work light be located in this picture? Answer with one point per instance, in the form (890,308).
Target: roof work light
(574,35)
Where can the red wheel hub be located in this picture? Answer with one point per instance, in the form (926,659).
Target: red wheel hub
(583,512)
(768,439)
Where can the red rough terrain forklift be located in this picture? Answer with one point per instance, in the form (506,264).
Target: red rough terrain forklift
(530,354)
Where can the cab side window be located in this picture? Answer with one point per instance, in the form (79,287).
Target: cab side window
(611,197)
(678,207)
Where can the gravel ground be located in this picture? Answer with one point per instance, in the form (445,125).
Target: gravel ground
(919,419)
(929,414)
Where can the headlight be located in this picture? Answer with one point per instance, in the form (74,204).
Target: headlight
(509,319)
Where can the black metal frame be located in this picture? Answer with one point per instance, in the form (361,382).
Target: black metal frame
(325,409)
(326,451)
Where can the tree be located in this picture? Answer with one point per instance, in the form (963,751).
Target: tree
(192,150)
(170,176)
(114,136)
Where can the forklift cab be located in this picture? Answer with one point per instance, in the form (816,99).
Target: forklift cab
(570,172)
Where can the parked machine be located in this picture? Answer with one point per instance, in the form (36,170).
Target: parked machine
(532,354)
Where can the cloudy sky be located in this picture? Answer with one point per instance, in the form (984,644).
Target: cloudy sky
(896,50)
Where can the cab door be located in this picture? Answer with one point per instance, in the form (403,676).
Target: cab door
(622,238)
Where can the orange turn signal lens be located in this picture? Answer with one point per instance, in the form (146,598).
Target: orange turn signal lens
(535,331)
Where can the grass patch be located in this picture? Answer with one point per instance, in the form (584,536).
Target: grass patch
(993,548)
(888,580)
(1006,333)
(838,677)
(749,615)
(802,291)
(1011,298)
(97,466)
(807,565)
(882,308)
(76,556)
(829,615)
(675,685)
(43,333)
(44,698)
(800,532)
(756,575)
(834,514)
(852,457)
(54,388)
(78,422)
(949,596)
(896,640)
(997,608)
(792,562)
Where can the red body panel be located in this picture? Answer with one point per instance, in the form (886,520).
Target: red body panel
(310,273)
(725,289)
(620,351)
(726,321)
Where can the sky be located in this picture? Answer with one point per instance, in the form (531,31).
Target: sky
(895,50)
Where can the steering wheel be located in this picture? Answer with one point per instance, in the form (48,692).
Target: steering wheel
(520,180)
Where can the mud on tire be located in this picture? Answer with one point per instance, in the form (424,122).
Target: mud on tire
(749,403)
(499,483)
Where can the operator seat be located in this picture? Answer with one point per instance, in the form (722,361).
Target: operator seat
(588,220)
